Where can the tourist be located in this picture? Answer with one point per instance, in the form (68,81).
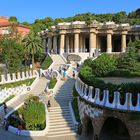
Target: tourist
(5,107)
(73,74)
(6,124)
(48,105)
(64,74)
(77,65)
(20,127)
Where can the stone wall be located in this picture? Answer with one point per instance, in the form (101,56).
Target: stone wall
(98,116)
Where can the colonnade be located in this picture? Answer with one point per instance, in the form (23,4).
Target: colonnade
(76,42)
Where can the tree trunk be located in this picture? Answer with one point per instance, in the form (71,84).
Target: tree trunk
(33,62)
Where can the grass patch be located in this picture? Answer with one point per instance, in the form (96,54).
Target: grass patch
(46,63)
(75,94)
(52,83)
(27,82)
(33,115)
(7,99)
(76,110)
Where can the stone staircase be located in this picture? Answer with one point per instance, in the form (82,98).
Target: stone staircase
(40,86)
(60,120)
(58,61)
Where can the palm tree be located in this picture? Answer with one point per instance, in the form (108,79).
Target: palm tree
(32,44)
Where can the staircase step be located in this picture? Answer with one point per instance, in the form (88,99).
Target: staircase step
(60,123)
(61,129)
(59,117)
(61,135)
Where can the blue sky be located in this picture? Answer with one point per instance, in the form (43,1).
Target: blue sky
(29,10)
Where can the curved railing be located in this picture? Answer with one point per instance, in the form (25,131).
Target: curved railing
(86,92)
(20,76)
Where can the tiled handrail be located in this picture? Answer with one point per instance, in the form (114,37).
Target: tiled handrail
(86,92)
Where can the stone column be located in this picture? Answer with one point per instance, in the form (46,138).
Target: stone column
(55,44)
(62,41)
(92,41)
(44,45)
(83,49)
(109,41)
(76,42)
(71,44)
(67,44)
(81,43)
(123,41)
(49,44)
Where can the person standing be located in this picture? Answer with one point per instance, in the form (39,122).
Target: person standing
(5,107)
(73,74)
(48,105)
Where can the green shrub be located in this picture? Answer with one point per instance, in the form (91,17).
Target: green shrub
(52,83)
(46,63)
(86,74)
(34,116)
(103,65)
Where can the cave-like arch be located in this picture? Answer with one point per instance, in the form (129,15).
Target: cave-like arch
(114,129)
(88,128)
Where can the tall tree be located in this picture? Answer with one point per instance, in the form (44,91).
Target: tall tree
(13,19)
(11,54)
(32,44)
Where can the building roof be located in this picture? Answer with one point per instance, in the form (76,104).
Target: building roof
(5,22)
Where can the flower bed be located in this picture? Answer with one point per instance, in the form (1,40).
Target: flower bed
(52,83)
(31,115)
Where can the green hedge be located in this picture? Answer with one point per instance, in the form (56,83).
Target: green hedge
(33,114)
(103,66)
(52,83)
(46,63)
(27,82)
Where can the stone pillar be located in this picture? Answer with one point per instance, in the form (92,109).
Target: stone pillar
(67,44)
(80,43)
(83,48)
(71,44)
(55,44)
(44,44)
(123,41)
(49,44)
(76,42)
(92,41)
(109,41)
(62,41)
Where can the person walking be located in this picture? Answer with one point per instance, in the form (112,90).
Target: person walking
(5,107)
(20,127)
(48,105)
(73,74)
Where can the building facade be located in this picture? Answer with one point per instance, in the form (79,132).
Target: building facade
(5,27)
(78,37)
